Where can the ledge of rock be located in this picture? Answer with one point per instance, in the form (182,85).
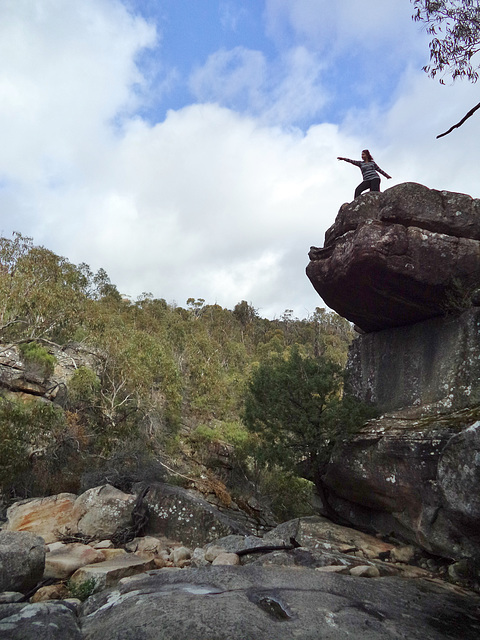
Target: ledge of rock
(399,257)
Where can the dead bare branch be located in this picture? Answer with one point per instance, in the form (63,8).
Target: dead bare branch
(459,124)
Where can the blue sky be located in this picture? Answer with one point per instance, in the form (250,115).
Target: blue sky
(188,147)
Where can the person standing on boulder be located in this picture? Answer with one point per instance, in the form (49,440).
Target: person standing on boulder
(369,168)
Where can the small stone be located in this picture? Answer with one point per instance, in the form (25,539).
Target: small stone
(181,564)
(76,602)
(147,546)
(212,552)
(402,554)
(160,562)
(181,553)
(461,570)
(414,572)
(50,592)
(198,558)
(104,544)
(365,571)
(113,553)
(229,559)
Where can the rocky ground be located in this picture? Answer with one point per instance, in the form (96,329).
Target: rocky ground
(306,578)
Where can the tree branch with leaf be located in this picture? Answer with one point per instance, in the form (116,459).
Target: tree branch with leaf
(455,29)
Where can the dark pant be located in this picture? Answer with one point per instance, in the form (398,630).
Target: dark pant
(373,185)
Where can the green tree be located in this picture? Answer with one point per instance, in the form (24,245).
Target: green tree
(42,296)
(296,407)
(455,29)
(25,428)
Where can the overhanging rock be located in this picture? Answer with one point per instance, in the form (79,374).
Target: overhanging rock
(399,257)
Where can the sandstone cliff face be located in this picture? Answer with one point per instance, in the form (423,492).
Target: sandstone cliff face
(401,265)
(399,257)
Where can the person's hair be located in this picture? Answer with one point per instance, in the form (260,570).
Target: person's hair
(369,155)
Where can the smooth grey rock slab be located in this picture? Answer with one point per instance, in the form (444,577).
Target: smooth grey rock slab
(40,621)
(258,603)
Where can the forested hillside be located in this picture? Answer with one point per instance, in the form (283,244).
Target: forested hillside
(168,388)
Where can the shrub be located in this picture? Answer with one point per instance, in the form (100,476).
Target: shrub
(25,428)
(82,590)
(288,496)
(83,387)
(38,361)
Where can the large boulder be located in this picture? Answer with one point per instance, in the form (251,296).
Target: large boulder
(316,532)
(39,621)
(65,559)
(399,257)
(108,573)
(98,513)
(22,560)
(103,511)
(47,517)
(179,514)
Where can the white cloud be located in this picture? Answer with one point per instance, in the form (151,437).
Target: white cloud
(210,204)
(66,69)
(284,91)
(230,76)
(349,24)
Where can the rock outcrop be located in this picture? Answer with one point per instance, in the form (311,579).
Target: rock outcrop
(416,479)
(399,257)
(432,366)
(404,265)
(174,511)
(275,602)
(18,376)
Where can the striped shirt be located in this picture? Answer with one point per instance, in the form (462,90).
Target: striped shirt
(369,169)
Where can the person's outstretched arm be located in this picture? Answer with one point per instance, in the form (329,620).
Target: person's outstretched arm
(357,163)
(382,172)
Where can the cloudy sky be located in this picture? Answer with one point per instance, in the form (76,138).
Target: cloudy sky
(188,147)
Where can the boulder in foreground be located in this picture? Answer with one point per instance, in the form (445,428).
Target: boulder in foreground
(235,603)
